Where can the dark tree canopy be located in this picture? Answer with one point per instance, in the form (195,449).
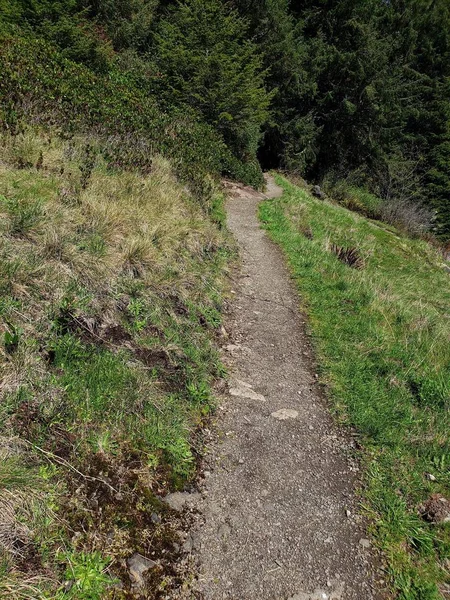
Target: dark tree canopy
(335,90)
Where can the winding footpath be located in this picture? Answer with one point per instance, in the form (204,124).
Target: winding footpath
(279,514)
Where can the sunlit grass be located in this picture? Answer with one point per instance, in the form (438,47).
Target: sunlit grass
(382,335)
(111,288)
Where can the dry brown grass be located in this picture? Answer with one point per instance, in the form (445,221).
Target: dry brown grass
(121,270)
(120,225)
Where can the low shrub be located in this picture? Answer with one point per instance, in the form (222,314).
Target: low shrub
(39,83)
(413,217)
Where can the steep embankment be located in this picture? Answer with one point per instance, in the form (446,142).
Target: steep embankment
(378,306)
(110,296)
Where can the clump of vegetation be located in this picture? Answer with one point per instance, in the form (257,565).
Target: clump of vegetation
(110,301)
(349,256)
(123,117)
(355,198)
(381,335)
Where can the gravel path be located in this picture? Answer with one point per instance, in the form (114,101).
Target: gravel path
(279,517)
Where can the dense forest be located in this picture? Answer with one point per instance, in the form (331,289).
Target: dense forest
(119,120)
(346,94)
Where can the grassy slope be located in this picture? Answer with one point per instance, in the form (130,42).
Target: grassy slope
(110,295)
(382,335)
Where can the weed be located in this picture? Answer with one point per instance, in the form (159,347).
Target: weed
(86,576)
(349,256)
(12,338)
(139,313)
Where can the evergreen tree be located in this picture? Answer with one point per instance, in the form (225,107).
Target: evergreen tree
(438,177)
(207,63)
(275,31)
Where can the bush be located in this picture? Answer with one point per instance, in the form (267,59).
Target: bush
(405,213)
(413,217)
(39,84)
(208,63)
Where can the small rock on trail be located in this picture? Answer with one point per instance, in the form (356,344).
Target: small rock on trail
(244,390)
(328,594)
(284,414)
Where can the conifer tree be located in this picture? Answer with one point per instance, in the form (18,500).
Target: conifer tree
(207,63)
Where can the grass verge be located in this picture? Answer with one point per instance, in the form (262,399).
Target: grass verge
(111,289)
(381,330)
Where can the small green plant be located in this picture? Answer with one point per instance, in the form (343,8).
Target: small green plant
(139,313)
(94,244)
(103,442)
(68,350)
(24,214)
(199,393)
(87,576)
(75,299)
(12,338)
(180,454)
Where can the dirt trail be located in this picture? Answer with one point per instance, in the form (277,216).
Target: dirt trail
(279,518)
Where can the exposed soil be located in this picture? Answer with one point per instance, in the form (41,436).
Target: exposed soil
(279,513)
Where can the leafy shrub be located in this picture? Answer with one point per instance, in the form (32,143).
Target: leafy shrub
(249,173)
(207,62)
(354,198)
(86,576)
(39,83)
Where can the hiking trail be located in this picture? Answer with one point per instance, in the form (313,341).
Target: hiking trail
(279,516)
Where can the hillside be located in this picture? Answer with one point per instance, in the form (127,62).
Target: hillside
(378,303)
(337,92)
(120,120)
(110,299)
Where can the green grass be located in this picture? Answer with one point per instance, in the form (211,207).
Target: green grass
(111,293)
(382,337)
(356,199)
(364,202)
